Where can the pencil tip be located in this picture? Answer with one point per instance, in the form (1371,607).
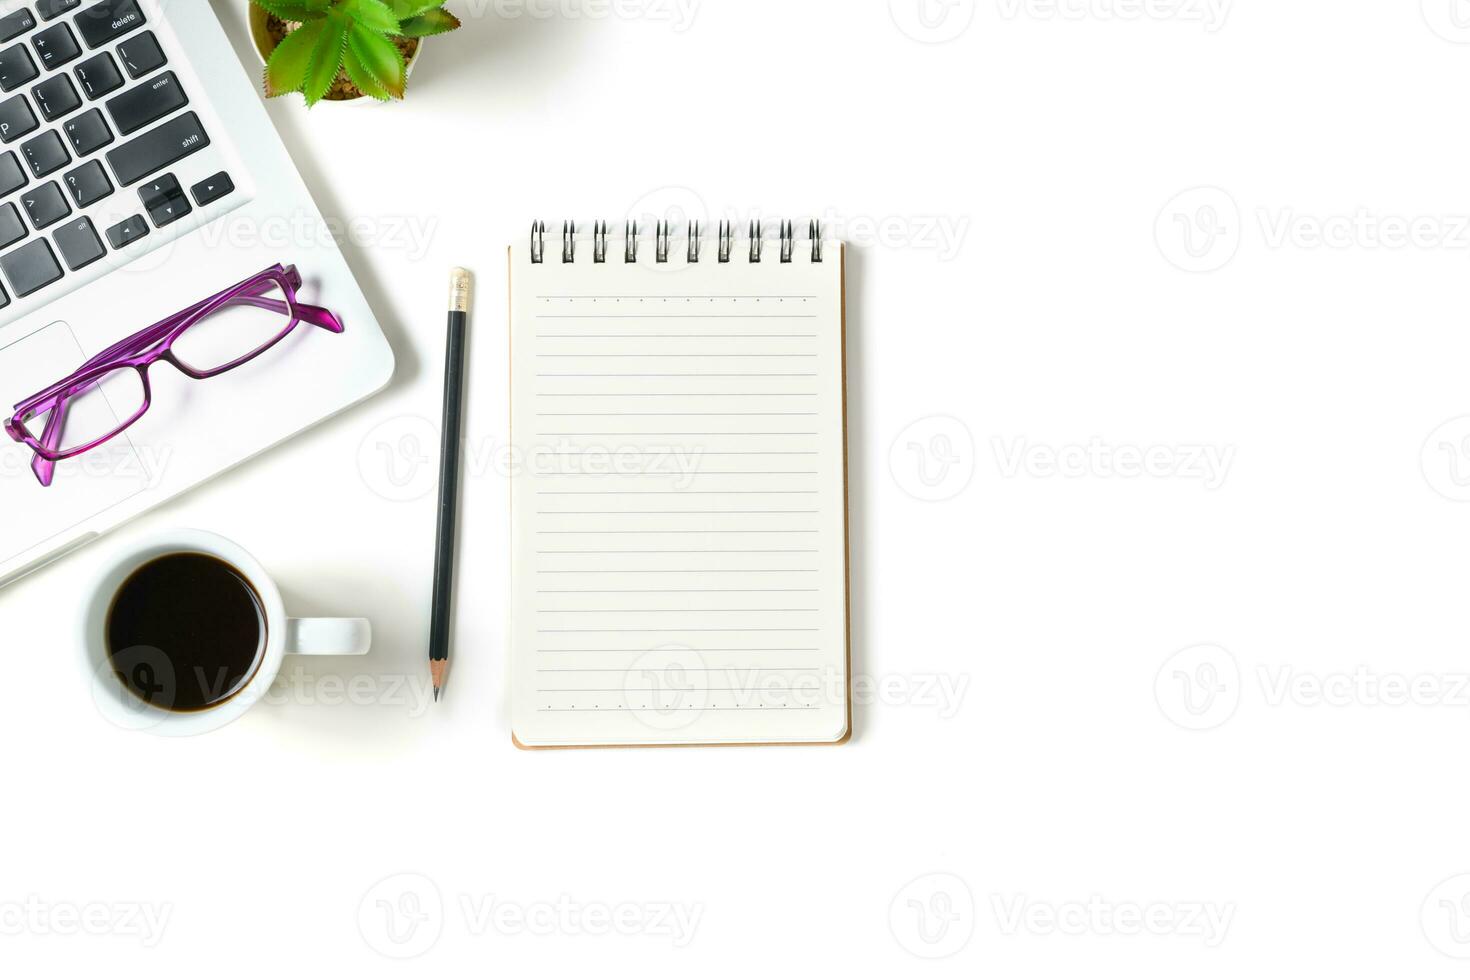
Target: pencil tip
(436,694)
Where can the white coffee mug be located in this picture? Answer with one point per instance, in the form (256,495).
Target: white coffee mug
(309,637)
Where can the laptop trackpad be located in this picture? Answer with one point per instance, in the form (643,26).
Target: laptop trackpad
(83,487)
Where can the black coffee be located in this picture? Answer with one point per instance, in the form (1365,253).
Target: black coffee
(186,632)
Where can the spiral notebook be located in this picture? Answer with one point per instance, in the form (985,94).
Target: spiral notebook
(678,495)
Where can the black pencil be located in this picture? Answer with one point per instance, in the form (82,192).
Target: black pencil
(451,443)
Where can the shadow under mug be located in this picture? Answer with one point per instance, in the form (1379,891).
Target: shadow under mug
(307,637)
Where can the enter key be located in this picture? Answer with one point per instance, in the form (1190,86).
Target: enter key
(147,103)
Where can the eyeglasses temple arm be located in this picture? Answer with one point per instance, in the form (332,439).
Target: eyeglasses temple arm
(320,316)
(44,468)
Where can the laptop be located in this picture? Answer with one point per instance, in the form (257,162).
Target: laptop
(140,174)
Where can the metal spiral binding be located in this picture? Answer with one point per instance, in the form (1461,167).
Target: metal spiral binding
(663,238)
(599,241)
(538,241)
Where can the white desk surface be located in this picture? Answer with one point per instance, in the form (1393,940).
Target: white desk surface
(1013,196)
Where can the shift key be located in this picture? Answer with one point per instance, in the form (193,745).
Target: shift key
(158,148)
(147,103)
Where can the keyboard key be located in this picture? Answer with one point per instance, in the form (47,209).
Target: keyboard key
(14,25)
(16,119)
(12,229)
(147,103)
(142,54)
(211,190)
(127,232)
(166,214)
(46,205)
(157,148)
(56,45)
(163,198)
(16,68)
(31,267)
(99,75)
(57,96)
(45,153)
(105,22)
(12,175)
(88,183)
(79,244)
(52,9)
(88,132)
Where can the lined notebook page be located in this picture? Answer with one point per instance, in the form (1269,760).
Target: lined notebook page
(678,498)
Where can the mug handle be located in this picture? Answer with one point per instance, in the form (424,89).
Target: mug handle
(328,637)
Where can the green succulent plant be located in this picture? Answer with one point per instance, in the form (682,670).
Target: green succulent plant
(355,36)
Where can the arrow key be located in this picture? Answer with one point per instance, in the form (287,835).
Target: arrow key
(211,190)
(127,232)
(164,200)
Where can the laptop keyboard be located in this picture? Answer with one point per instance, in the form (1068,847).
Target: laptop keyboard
(88,108)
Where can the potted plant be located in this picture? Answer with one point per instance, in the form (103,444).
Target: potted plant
(340,50)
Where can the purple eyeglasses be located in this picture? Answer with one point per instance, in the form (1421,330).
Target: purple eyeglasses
(81,412)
